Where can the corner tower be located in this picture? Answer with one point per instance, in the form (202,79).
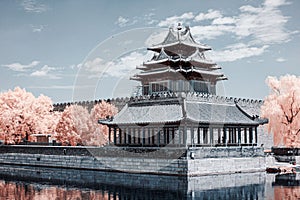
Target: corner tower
(179,65)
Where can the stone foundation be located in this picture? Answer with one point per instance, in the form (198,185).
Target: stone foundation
(172,161)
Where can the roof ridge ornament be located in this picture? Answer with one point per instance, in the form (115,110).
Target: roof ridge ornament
(179,26)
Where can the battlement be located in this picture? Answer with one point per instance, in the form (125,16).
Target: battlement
(251,106)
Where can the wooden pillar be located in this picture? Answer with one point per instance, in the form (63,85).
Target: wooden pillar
(256,135)
(143,136)
(185,136)
(168,135)
(229,136)
(139,135)
(173,135)
(211,136)
(205,130)
(115,135)
(219,135)
(192,136)
(224,136)
(132,135)
(158,137)
(148,136)
(245,135)
(239,135)
(234,135)
(126,136)
(120,136)
(165,135)
(179,135)
(199,135)
(109,134)
(153,135)
(251,135)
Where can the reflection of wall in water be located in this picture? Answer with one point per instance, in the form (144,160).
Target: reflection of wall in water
(140,186)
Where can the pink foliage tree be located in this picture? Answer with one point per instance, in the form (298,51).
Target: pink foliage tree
(99,133)
(282,108)
(78,126)
(21,114)
(72,125)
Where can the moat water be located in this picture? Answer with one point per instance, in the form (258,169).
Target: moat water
(47,183)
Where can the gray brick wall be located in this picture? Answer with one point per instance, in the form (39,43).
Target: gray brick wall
(222,160)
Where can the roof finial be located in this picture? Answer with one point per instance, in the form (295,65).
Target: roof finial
(179,27)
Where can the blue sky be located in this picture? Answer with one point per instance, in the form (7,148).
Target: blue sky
(83,50)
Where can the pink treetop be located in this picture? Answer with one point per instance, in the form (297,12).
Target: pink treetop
(99,132)
(77,126)
(21,114)
(72,125)
(282,108)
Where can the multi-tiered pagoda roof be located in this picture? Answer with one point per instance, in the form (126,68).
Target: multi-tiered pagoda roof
(179,57)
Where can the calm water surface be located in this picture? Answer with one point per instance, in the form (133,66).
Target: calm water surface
(46,183)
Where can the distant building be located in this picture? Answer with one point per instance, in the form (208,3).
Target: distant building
(42,138)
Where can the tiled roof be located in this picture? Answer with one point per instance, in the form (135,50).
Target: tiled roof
(214,113)
(148,114)
(195,111)
(252,108)
(180,36)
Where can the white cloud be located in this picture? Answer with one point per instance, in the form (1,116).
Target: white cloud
(275,3)
(37,29)
(98,65)
(75,66)
(123,66)
(33,6)
(176,19)
(280,59)
(264,24)
(258,27)
(211,14)
(21,67)
(122,21)
(237,52)
(149,18)
(118,68)
(210,31)
(156,37)
(45,72)
(224,20)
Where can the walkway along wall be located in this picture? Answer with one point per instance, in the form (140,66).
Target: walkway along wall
(162,161)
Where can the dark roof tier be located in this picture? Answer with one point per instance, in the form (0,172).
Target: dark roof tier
(166,72)
(197,59)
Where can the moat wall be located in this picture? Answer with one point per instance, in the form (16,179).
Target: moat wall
(142,186)
(163,161)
